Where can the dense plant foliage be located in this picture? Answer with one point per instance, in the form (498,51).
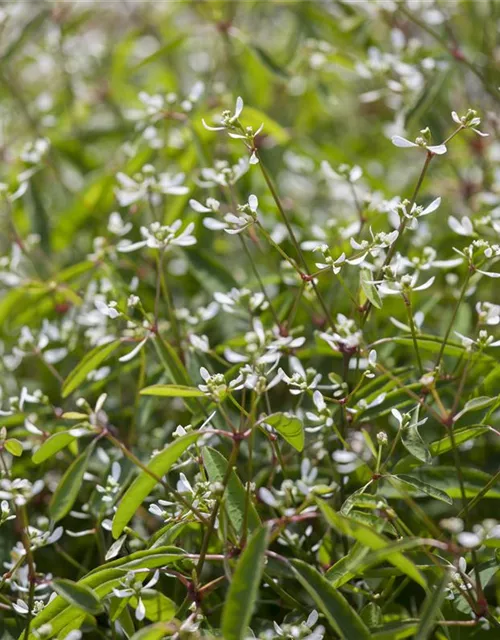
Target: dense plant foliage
(249,320)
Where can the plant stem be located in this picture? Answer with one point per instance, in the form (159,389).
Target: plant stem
(409,311)
(454,315)
(213,517)
(293,238)
(401,229)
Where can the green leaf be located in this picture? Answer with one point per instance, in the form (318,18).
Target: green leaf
(355,498)
(52,445)
(158,607)
(431,607)
(341,617)
(445,478)
(289,427)
(412,441)
(145,482)
(396,631)
(372,539)
(90,362)
(428,489)
(266,59)
(79,595)
(255,118)
(172,391)
(212,275)
(369,289)
(443,445)
(243,591)
(235,496)
(475,405)
(58,613)
(14,447)
(175,369)
(156,631)
(70,485)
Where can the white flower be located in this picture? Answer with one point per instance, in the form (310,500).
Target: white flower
(463,227)
(108,310)
(158,236)
(228,119)
(398,141)
(468,539)
(469,121)
(117,226)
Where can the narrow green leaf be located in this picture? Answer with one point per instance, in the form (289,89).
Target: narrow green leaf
(342,618)
(355,498)
(175,369)
(52,445)
(445,478)
(235,496)
(69,486)
(79,595)
(430,608)
(145,482)
(396,631)
(460,435)
(475,405)
(14,447)
(428,489)
(289,427)
(369,289)
(372,539)
(156,631)
(244,587)
(172,391)
(58,613)
(90,362)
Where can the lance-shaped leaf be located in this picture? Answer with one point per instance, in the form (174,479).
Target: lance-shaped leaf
(244,588)
(235,496)
(341,617)
(146,480)
(369,289)
(430,608)
(79,595)
(428,489)
(56,442)
(14,447)
(172,391)
(372,539)
(90,362)
(70,485)
(156,631)
(289,427)
(475,405)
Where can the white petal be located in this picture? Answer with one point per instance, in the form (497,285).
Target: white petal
(253,202)
(198,207)
(432,207)
(439,149)
(398,141)
(207,126)
(134,352)
(213,224)
(239,106)
(426,285)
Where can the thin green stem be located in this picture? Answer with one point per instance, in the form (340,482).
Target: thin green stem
(452,320)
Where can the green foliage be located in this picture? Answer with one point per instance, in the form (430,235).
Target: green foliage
(249,320)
